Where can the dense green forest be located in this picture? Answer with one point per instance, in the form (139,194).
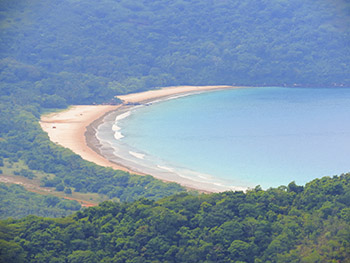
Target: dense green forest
(61,52)
(17,202)
(285,224)
(57,53)
(83,51)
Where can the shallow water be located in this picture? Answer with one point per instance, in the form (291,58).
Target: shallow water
(242,137)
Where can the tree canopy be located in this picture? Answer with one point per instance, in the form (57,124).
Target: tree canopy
(17,202)
(83,51)
(62,52)
(57,53)
(286,224)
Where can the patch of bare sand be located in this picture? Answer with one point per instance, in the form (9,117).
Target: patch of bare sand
(167,92)
(67,128)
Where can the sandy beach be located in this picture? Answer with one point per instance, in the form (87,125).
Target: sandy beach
(75,127)
(151,95)
(67,128)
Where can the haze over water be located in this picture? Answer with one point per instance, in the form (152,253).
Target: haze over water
(248,137)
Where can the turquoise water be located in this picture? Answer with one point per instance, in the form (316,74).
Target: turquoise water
(247,137)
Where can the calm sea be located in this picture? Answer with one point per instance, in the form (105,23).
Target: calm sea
(245,137)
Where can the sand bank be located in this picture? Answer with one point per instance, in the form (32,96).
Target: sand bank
(151,95)
(67,128)
(75,129)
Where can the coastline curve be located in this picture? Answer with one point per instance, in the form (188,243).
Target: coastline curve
(78,129)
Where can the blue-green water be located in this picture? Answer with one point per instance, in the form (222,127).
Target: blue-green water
(247,137)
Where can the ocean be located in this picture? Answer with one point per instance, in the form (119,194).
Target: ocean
(245,137)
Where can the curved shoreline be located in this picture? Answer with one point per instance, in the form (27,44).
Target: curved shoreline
(76,129)
(94,144)
(67,128)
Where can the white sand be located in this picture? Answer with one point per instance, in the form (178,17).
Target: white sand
(169,91)
(67,128)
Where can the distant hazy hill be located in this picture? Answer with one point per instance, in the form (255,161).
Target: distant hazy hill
(132,45)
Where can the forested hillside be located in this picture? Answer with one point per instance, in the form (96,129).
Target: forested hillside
(56,53)
(16,202)
(285,224)
(84,51)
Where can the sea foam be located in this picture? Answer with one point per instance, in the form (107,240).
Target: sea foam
(138,155)
(246,137)
(117,133)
